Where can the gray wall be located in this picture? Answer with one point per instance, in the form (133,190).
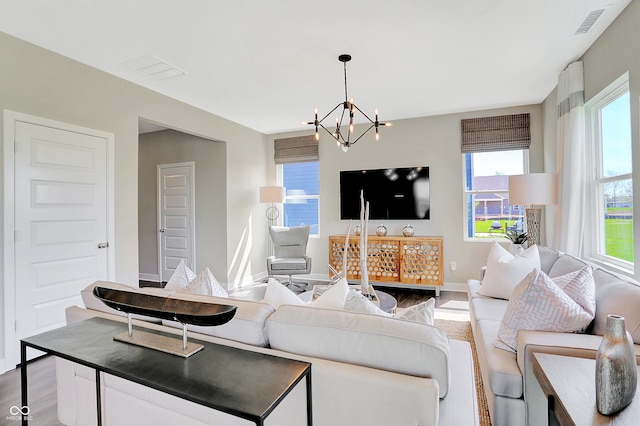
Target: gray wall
(428,141)
(41,83)
(614,53)
(209,156)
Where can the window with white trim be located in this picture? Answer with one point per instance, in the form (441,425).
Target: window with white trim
(493,148)
(610,192)
(298,170)
(488,211)
(302,200)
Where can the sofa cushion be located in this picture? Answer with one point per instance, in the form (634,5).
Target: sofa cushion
(548,258)
(538,303)
(92,302)
(565,264)
(487,308)
(615,295)
(505,378)
(247,325)
(369,340)
(505,271)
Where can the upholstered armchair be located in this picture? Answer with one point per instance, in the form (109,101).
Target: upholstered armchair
(290,248)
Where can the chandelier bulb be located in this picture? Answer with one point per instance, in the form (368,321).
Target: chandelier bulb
(345,148)
(377,135)
(317,136)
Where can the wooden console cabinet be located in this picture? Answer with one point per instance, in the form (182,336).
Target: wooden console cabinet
(392,259)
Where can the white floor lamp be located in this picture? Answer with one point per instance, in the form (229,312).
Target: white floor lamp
(533,189)
(272,195)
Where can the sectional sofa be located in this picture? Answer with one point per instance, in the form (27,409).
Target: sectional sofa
(366,369)
(512,391)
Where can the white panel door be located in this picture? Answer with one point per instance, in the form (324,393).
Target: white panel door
(176,222)
(60,222)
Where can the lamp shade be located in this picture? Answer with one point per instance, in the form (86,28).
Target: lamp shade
(272,194)
(532,188)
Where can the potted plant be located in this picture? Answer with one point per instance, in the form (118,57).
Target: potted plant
(519,239)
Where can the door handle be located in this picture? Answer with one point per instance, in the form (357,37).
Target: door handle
(162,230)
(103,245)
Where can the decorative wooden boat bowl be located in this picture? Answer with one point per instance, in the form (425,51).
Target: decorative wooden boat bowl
(183,311)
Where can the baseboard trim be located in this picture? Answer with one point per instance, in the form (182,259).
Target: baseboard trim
(149,277)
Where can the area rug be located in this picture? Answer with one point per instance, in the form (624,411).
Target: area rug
(457,326)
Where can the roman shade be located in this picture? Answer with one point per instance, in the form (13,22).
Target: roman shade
(498,133)
(300,149)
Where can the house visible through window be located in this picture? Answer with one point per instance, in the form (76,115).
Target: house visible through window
(493,148)
(611,190)
(489,214)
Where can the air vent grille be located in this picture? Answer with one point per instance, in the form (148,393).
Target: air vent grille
(588,22)
(153,67)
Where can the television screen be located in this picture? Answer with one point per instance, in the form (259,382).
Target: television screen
(400,193)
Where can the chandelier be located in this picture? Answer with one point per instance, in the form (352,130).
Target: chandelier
(348,109)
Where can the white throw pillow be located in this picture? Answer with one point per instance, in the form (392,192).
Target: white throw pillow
(356,302)
(181,277)
(206,284)
(539,304)
(333,298)
(505,271)
(277,294)
(422,313)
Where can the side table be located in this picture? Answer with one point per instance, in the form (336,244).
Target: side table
(570,386)
(239,382)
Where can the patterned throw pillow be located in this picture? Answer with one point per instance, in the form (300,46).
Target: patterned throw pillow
(181,277)
(206,284)
(422,313)
(538,303)
(505,271)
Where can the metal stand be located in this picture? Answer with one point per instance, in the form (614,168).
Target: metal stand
(158,342)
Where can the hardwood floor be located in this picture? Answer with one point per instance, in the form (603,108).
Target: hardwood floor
(43,398)
(42,372)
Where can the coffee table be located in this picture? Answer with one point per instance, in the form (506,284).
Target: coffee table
(570,386)
(388,303)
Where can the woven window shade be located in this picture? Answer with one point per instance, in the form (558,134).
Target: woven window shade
(499,133)
(295,150)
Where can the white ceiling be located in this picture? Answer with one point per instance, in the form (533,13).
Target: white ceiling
(268,64)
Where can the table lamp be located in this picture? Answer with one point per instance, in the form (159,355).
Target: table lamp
(533,189)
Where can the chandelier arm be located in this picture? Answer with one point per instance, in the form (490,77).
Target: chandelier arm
(363,133)
(330,112)
(363,113)
(327,130)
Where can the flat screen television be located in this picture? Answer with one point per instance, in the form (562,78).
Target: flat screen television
(394,193)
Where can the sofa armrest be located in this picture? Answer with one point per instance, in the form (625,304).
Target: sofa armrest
(568,344)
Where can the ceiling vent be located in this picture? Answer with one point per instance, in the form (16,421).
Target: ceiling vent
(588,22)
(153,67)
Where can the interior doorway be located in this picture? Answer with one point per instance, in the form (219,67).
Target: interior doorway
(176,211)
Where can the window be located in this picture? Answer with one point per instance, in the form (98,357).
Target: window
(298,171)
(611,189)
(303,194)
(493,148)
(489,214)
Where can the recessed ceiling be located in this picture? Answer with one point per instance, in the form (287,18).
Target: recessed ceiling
(268,64)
